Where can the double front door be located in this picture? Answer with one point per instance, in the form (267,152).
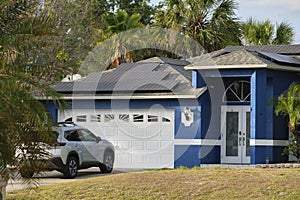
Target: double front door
(235,134)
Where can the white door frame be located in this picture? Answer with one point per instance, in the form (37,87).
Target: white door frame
(240,143)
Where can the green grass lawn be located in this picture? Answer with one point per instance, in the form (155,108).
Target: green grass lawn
(208,183)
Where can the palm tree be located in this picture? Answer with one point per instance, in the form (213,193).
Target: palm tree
(117,23)
(212,23)
(284,34)
(24,122)
(288,104)
(264,33)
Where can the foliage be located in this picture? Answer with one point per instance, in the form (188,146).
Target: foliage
(264,32)
(131,7)
(288,104)
(212,23)
(117,23)
(40,42)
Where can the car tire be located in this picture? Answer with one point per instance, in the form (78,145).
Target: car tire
(71,167)
(108,162)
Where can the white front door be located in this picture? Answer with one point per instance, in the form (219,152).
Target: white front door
(235,134)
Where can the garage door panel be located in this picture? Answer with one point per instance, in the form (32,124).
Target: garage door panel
(138,159)
(138,132)
(137,145)
(123,159)
(123,146)
(166,146)
(110,131)
(152,160)
(166,160)
(154,130)
(153,145)
(166,132)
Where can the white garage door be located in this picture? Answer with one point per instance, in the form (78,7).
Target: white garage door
(142,138)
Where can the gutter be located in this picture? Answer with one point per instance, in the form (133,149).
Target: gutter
(198,93)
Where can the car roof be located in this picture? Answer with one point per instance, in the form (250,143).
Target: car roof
(67,127)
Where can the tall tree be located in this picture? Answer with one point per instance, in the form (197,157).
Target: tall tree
(212,23)
(117,23)
(288,104)
(37,44)
(265,33)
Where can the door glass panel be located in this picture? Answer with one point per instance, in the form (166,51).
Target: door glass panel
(232,125)
(247,133)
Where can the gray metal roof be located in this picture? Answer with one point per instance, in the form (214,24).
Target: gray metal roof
(177,65)
(127,77)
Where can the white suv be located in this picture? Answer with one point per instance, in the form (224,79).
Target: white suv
(78,148)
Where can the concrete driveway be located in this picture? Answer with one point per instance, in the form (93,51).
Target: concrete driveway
(55,177)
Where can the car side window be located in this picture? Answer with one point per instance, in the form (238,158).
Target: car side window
(72,135)
(87,135)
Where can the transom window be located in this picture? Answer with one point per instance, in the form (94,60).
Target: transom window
(238,91)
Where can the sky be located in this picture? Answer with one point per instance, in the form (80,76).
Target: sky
(275,10)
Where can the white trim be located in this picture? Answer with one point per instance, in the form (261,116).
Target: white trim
(124,97)
(202,142)
(226,67)
(248,66)
(259,142)
(116,97)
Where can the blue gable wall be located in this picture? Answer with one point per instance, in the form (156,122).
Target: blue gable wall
(266,85)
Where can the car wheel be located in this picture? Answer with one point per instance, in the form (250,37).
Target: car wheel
(71,167)
(108,162)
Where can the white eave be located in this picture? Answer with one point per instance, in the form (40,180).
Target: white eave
(195,67)
(249,66)
(197,93)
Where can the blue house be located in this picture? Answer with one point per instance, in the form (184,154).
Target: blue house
(164,113)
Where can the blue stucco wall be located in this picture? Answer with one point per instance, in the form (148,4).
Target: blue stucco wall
(266,85)
(195,155)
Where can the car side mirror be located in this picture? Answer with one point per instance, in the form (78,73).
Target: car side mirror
(98,139)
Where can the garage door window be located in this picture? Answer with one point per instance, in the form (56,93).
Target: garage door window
(164,119)
(109,117)
(152,118)
(95,118)
(138,118)
(81,118)
(124,117)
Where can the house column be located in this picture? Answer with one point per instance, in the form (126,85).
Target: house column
(258,118)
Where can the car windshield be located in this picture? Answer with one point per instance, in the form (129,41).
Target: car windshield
(86,135)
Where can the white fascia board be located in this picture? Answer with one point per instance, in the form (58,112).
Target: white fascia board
(226,67)
(75,97)
(261,142)
(197,94)
(275,67)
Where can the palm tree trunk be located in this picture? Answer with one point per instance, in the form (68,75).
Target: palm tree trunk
(3,185)
(297,139)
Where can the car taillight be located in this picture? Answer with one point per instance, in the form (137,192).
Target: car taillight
(60,144)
